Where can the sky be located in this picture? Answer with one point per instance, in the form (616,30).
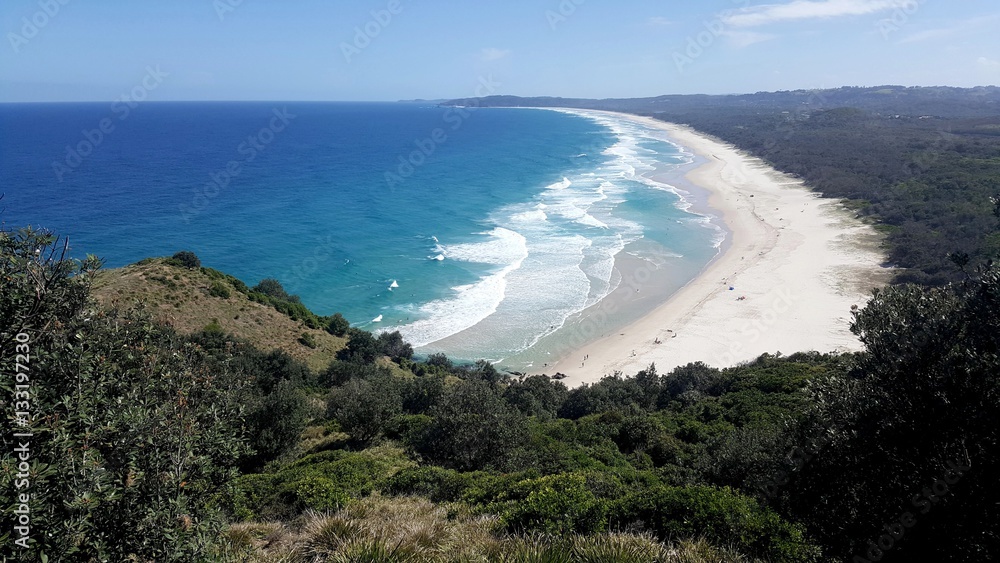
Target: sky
(384,50)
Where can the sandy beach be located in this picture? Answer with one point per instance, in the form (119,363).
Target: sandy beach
(786,280)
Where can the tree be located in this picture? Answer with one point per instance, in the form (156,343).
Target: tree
(362,347)
(921,404)
(536,395)
(364,407)
(271,288)
(187,259)
(473,428)
(133,431)
(337,325)
(392,344)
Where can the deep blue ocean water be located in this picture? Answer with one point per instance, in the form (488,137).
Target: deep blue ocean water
(406,216)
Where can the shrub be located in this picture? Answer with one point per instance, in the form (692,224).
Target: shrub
(436,483)
(554,504)
(337,325)
(219,289)
(364,407)
(722,515)
(473,428)
(271,288)
(187,259)
(308,340)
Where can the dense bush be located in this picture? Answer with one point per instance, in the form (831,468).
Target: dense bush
(186,259)
(722,515)
(135,428)
(323,481)
(337,325)
(473,428)
(364,407)
(219,289)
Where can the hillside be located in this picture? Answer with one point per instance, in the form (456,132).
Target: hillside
(183,299)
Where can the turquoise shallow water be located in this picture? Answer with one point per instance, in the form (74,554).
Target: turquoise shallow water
(502,223)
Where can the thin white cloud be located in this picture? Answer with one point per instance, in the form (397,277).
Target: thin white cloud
(991,65)
(967,26)
(741,39)
(493,54)
(658,21)
(808,9)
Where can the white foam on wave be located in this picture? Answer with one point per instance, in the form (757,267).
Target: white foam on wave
(474,302)
(553,256)
(560,185)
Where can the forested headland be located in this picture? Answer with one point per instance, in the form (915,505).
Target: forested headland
(149,442)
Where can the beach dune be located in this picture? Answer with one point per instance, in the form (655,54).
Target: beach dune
(785,281)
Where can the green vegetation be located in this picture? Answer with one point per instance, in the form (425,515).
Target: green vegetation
(154,445)
(185,259)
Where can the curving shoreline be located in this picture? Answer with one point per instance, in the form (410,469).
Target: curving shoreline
(798,261)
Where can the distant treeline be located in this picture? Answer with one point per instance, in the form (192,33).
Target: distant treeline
(923,162)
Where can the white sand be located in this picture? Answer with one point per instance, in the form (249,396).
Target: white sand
(799,260)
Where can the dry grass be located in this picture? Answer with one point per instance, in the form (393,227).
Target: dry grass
(414,530)
(180,298)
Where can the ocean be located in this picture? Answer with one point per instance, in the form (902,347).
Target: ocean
(477,232)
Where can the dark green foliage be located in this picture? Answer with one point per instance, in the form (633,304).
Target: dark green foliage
(337,325)
(323,481)
(536,395)
(271,288)
(420,394)
(134,429)
(362,347)
(274,423)
(554,504)
(612,393)
(722,515)
(392,344)
(697,378)
(186,259)
(473,428)
(276,408)
(439,360)
(340,372)
(364,407)
(924,399)
(436,483)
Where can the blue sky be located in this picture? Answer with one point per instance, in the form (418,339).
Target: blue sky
(100,50)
